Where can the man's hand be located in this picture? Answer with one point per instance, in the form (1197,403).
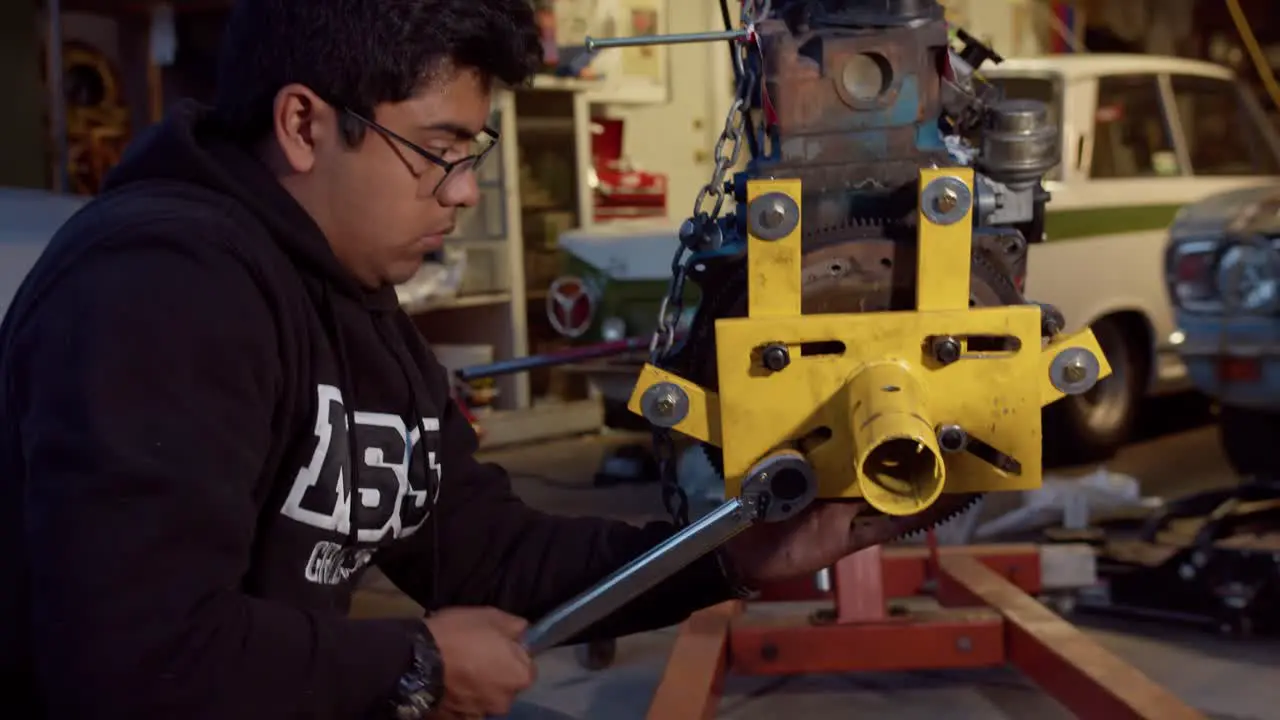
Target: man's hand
(818,537)
(485,666)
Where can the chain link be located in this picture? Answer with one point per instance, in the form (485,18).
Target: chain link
(728,150)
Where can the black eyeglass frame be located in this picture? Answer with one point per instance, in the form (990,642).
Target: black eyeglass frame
(447,165)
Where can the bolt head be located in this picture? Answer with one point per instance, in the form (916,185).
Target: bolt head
(946,201)
(946,350)
(665,405)
(776,357)
(952,438)
(1075,371)
(772,216)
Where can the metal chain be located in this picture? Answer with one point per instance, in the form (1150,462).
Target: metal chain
(728,150)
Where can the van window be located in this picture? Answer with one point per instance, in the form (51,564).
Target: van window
(1043,89)
(1131,138)
(1224,135)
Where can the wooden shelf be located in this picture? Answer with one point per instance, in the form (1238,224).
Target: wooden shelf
(460,301)
(544,421)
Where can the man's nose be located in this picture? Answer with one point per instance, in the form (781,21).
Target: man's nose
(462,190)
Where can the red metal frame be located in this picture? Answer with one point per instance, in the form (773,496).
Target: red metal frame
(988,618)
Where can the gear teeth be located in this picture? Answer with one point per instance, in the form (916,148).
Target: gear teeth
(960,510)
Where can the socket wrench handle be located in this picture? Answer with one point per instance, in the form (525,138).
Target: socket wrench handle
(638,576)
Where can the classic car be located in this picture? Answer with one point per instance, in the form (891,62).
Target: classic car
(1223,275)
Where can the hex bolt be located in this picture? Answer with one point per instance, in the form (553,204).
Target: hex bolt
(946,201)
(775,357)
(665,405)
(1075,371)
(946,350)
(772,216)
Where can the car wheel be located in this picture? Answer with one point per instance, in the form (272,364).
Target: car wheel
(1248,439)
(1093,426)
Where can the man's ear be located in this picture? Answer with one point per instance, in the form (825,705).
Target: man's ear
(301,122)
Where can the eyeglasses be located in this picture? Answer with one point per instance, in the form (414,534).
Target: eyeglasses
(487,139)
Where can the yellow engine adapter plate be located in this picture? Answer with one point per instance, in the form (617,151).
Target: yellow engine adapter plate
(867,396)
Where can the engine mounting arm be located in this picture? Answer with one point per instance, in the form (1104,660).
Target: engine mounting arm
(894,408)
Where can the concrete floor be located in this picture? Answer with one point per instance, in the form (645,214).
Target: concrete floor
(1224,678)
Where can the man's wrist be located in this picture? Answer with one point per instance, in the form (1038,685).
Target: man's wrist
(420,689)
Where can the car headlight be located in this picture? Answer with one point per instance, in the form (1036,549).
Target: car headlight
(613,328)
(1248,277)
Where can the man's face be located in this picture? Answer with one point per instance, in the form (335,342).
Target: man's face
(382,205)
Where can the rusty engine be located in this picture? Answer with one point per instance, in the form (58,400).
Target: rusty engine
(854,97)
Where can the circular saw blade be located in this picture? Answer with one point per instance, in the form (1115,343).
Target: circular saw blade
(849,276)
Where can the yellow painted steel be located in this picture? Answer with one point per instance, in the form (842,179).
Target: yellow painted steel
(701,422)
(944,250)
(897,463)
(833,401)
(774,280)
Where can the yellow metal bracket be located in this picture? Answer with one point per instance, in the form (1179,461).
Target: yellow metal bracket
(875,400)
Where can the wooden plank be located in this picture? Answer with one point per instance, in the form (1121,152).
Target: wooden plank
(694,677)
(1082,675)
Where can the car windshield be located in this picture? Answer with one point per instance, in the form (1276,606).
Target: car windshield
(1225,131)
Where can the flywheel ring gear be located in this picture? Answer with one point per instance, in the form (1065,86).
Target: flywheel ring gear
(858,275)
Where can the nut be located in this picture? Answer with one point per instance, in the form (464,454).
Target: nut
(775,357)
(946,350)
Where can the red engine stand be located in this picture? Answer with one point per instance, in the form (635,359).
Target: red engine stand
(988,619)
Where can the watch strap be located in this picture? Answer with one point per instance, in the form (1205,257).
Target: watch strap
(420,689)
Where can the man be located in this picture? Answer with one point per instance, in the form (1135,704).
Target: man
(214,416)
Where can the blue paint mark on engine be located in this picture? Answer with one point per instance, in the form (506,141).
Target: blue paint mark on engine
(929,137)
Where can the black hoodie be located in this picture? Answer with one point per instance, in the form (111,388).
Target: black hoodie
(184,373)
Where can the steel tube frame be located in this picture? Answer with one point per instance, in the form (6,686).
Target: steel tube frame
(989,619)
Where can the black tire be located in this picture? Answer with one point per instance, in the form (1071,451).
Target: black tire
(1093,426)
(1248,440)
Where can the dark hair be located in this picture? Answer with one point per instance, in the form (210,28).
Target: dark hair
(362,53)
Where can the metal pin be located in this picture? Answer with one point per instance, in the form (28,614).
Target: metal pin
(594,44)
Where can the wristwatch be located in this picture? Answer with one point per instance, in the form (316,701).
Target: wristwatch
(421,687)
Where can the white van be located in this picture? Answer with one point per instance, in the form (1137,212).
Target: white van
(1141,137)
